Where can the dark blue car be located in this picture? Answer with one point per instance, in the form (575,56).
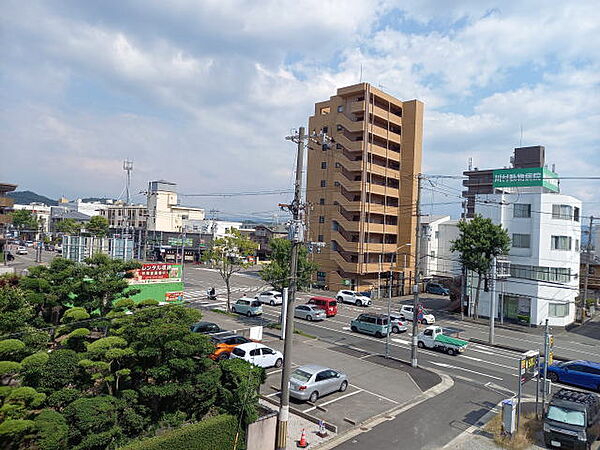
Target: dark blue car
(585,374)
(436,288)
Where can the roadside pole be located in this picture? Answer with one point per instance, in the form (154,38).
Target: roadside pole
(588,249)
(389,311)
(463,274)
(546,353)
(284,305)
(415,327)
(297,235)
(493,302)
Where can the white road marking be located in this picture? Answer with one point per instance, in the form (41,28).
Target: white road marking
(345,328)
(449,366)
(488,362)
(376,395)
(401,341)
(334,400)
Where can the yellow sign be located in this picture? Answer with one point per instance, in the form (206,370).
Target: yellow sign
(550,358)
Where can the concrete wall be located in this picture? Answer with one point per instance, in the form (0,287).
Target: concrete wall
(261,434)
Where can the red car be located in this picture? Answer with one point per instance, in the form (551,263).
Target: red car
(329,305)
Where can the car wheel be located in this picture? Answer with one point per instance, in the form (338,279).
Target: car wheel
(357,303)
(278,363)
(340,299)
(553,377)
(353,328)
(378,334)
(451,351)
(420,344)
(223,357)
(309,318)
(424,322)
(313,397)
(343,386)
(272,303)
(233,310)
(249,314)
(395,330)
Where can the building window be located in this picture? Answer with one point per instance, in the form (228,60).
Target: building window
(561,242)
(437,234)
(320,238)
(321,219)
(576,245)
(558,309)
(550,274)
(576,214)
(321,201)
(324,130)
(336,183)
(522,210)
(341,108)
(321,276)
(339,146)
(323,165)
(323,183)
(521,240)
(338,165)
(340,128)
(562,212)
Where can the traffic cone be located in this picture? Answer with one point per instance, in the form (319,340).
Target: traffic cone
(302,442)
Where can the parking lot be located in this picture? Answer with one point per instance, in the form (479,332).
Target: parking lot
(373,388)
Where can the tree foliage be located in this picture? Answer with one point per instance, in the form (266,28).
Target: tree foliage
(23,219)
(229,255)
(277,272)
(15,311)
(97,226)
(479,241)
(68,226)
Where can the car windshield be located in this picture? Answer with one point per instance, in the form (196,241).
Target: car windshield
(301,375)
(333,303)
(568,416)
(255,303)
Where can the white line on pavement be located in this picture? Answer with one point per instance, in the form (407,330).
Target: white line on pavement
(488,362)
(376,395)
(334,400)
(448,366)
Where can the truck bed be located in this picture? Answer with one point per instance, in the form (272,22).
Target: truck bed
(450,340)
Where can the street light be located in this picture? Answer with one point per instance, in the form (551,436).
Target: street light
(389,306)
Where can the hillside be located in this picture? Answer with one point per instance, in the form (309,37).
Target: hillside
(27,197)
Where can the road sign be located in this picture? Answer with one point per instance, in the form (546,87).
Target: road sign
(528,366)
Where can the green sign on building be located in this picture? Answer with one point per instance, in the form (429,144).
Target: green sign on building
(534,176)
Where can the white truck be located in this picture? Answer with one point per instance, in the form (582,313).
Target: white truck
(434,338)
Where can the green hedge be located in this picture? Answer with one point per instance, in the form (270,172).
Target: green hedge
(217,432)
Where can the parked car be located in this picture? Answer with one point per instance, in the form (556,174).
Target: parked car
(327,304)
(309,312)
(270,297)
(585,374)
(424,316)
(247,306)
(353,297)
(258,354)
(436,288)
(572,420)
(375,324)
(311,382)
(58,248)
(224,345)
(398,323)
(206,328)
(21,250)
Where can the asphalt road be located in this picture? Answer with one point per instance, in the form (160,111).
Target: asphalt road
(483,375)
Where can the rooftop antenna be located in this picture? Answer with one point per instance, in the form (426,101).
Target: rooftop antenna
(128,167)
(521,139)
(470,163)
(360,79)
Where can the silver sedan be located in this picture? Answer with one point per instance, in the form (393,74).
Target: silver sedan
(311,382)
(309,312)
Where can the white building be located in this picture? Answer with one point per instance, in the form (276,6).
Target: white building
(126,217)
(437,234)
(545,232)
(88,208)
(216,228)
(41,212)
(164,211)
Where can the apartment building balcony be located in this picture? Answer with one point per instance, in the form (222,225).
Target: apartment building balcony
(366,247)
(349,185)
(383,190)
(352,166)
(348,144)
(383,114)
(385,134)
(6,202)
(358,107)
(354,126)
(379,150)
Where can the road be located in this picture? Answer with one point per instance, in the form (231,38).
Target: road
(483,376)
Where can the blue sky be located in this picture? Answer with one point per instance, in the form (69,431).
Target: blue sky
(203,93)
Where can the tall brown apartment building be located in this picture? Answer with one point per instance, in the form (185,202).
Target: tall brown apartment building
(362,188)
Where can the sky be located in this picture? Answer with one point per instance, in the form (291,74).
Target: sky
(203,93)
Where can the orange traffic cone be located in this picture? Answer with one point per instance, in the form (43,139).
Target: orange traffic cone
(302,442)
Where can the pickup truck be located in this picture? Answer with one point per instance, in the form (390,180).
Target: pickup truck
(434,338)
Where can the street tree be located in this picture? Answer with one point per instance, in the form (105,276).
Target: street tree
(277,273)
(229,255)
(68,226)
(479,241)
(23,220)
(97,226)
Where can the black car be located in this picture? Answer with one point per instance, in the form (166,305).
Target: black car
(206,328)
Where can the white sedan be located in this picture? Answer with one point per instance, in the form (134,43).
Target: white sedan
(270,297)
(353,297)
(21,250)
(258,354)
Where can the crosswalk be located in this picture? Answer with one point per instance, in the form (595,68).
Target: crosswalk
(200,298)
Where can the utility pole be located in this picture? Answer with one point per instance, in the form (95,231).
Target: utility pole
(389,311)
(547,351)
(415,327)
(297,235)
(463,274)
(588,249)
(493,301)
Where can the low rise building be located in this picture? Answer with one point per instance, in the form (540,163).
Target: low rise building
(214,228)
(41,213)
(263,234)
(125,217)
(164,211)
(60,213)
(6,206)
(88,208)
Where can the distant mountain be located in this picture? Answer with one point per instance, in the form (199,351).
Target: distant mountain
(27,197)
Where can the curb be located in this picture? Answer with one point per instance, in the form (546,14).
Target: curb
(362,427)
(313,419)
(511,348)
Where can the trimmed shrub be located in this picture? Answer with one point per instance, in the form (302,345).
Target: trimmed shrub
(217,432)
(60,371)
(35,360)
(13,430)
(52,430)
(11,349)
(63,397)
(147,302)
(74,315)
(93,421)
